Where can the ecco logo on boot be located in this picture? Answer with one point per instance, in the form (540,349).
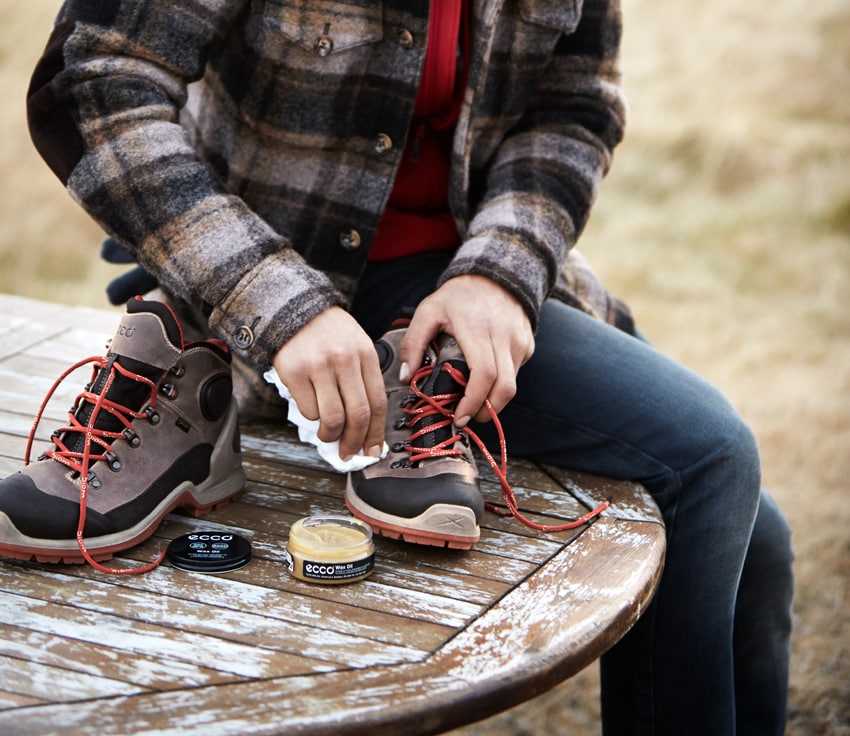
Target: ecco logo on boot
(126,331)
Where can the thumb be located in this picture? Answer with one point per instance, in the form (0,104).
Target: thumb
(412,348)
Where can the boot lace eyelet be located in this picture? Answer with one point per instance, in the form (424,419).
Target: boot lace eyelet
(169,390)
(113,461)
(132,438)
(152,415)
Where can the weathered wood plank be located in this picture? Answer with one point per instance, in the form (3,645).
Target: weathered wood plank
(132,637)
(23,335)
(59,316)
(145,671)
(239,622)
(628,500)
(16,700)
(18,424)
(58,684)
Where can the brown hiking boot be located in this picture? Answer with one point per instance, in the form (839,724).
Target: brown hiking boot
(156,429)
(426,489)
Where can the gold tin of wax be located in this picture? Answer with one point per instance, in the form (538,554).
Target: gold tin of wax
(330,550)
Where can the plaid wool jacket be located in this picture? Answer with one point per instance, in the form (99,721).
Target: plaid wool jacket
(244,150)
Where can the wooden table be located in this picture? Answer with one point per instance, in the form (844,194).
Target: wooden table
(433,639)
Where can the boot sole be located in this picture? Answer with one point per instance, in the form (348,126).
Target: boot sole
(429,528)
(223,486)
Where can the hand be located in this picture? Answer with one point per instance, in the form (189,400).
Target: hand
(491,328)
(331,369)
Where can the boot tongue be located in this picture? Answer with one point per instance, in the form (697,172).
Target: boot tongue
(440,382)
(147,342)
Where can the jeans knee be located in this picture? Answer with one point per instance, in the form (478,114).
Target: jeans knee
(744,446)
(741,455)
(726,466)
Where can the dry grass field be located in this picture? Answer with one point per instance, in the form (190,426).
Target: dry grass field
(725,223)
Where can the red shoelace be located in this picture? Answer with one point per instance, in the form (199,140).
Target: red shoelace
(93,438)
(441,404)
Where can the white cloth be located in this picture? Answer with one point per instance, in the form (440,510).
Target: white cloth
(308,431)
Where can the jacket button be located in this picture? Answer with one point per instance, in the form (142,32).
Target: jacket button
(350,240)
(405,39)
(244,337)
(323,45)
(383,143)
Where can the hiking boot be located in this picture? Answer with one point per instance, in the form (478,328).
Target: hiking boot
(426,489)
(156,429)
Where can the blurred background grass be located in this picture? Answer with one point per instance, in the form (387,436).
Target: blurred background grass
(725,223)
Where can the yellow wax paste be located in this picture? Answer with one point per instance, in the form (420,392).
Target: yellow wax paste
(330,549)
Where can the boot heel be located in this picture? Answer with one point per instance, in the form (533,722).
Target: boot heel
(198,510)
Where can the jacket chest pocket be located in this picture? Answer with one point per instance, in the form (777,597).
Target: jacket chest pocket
(278,28)
(561,16)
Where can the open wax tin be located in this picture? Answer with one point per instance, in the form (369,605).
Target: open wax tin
(330,549)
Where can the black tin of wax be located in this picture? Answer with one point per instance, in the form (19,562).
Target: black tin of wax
(209,551)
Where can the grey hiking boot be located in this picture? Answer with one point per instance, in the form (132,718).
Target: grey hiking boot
(426,489)
(156,429)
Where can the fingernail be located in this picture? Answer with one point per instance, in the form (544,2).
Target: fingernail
(463,421)
(347,458)
(403,372)
(374,451)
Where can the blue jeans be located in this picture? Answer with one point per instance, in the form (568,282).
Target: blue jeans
(710,654)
